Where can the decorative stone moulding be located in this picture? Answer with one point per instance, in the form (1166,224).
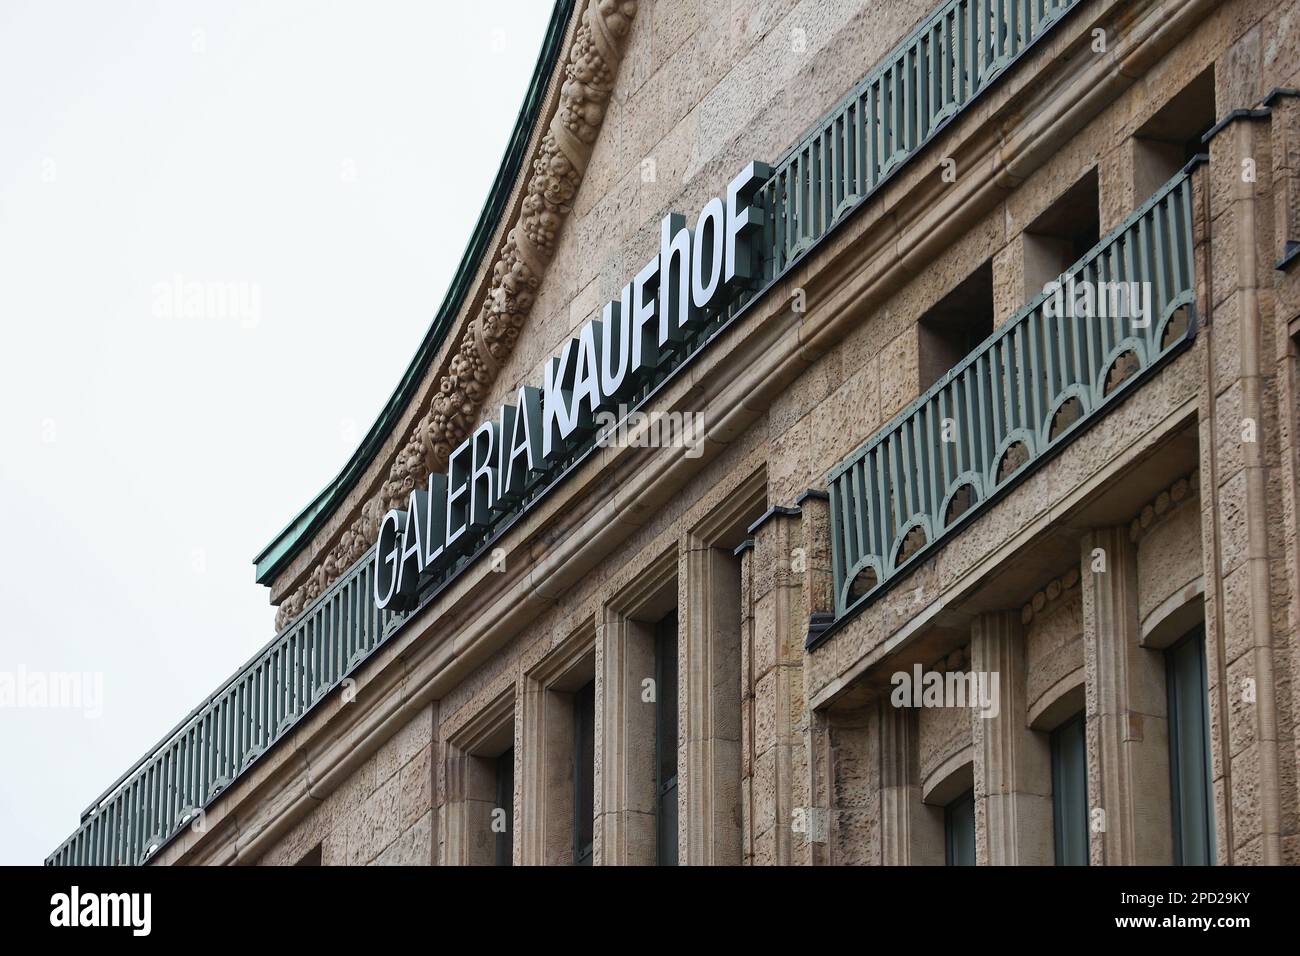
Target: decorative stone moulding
(1050,596)
(485,341)
(1157,508)
(1163,503)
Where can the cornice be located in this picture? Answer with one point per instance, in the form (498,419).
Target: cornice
(1048,597)
(1163,504)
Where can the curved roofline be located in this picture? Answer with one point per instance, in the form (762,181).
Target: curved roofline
(286,545)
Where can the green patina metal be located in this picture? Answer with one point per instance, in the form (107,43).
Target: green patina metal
(1020,396)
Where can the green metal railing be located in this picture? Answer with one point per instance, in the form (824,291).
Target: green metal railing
(928,78)
(167,790)
(1024,392)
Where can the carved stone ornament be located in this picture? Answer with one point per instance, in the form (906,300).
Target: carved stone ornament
(486,340)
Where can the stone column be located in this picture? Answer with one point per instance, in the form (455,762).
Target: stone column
(471,798)
(1127,722)
(911,834)
(1013,764)
(841,790)
(1247,499)
(710,624)
(545,817)
(1285,141)
(625,798)
(773,704)
(846,752)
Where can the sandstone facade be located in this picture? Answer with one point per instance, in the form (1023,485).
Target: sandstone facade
(789,755)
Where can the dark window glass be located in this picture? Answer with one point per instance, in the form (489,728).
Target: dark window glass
(584,773)
(1070,793)
(506,802)
(666,739)
(1189,751)
(959,830)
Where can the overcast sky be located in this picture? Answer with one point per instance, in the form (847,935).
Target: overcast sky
(316,169)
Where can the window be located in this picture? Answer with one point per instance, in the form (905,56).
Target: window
(959,830)
(666,740)
(961,320)
(505,767)
(584,773)
(1189,751)
(1070,793)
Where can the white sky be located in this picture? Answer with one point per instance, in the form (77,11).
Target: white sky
(331,159)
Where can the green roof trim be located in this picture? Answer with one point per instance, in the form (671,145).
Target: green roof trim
(298,532)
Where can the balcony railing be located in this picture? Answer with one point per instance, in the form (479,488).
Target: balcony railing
(166,791)
(926,80)
(1022,394)
(955,54)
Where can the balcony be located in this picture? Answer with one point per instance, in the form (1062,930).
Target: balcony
(1018,398)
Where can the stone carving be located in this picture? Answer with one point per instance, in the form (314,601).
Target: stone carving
(1045,599)
(1162,503)
(1178,492)
(487,339)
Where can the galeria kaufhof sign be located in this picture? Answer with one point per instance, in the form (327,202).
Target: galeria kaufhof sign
(697,273)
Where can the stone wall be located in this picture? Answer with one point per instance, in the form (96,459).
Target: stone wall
(703,90)
(382,816)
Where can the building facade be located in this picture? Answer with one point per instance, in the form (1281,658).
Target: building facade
(948,514)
